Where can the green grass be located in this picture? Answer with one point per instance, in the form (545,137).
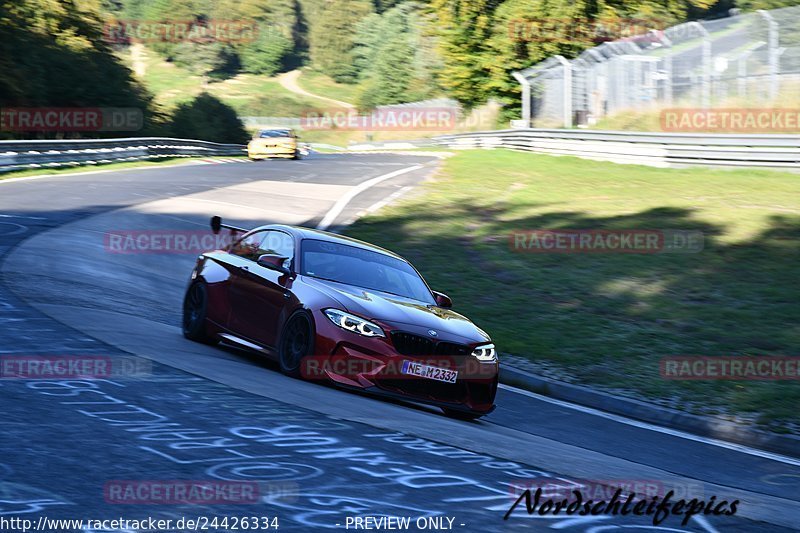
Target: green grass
(249,94)
(649,119)
(260,96)
(322,85)
(607,319)
(102,166)
(169,83)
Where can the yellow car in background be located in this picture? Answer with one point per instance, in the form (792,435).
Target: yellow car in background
(274,142)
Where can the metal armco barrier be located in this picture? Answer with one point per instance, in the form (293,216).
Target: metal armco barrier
(653,149)
(17,155)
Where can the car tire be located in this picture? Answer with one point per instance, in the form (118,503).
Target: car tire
(296,343)
(195,306)
(296,155)
(461,415)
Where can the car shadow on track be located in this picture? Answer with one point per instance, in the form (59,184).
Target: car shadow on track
(268,364)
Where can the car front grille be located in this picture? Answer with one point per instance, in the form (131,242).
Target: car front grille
(410,344)
(417,345)
(442,354)
(451,348)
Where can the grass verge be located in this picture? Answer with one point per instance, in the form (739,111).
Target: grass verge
(249,94)
(318,83)
(608,319)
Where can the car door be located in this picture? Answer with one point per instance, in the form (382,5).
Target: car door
(259,294)
(240,259)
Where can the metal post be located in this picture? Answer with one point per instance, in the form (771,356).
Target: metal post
(706,85)
(526,97)
(742,73)
(772,42)
(667,42)
(567,90)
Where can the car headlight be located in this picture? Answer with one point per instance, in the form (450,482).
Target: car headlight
(485,353)
(354,323)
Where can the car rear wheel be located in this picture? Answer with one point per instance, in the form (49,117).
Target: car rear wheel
(461,415)
(195,305)
(296,343)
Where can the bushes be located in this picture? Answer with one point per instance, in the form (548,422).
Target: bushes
(209,119)
(266,55)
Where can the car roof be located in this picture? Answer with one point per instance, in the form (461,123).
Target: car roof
(309,233)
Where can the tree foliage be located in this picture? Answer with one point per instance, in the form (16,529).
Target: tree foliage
(331,37)
(209,119)
(395,56)
(53,54)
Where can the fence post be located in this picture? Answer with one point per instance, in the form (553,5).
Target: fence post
(772,42)
(706,83)
(526,97)
(667,42)
(567,91)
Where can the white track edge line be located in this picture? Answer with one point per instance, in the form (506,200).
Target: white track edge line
(660,429)
(342,202)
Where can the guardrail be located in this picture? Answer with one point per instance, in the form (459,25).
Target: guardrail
(654,149)
(17,155)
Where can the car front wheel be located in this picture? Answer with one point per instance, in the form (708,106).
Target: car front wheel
(195,305)
(296,343)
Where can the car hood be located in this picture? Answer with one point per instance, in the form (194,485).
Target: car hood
(397,311)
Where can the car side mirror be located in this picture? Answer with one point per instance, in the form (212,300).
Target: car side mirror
(442,300)
(216,224)
(274,262)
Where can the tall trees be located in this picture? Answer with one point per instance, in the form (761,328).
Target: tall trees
(53,54)
(483,41)
(331,37)
(395,56)
(208,119)
(275,45)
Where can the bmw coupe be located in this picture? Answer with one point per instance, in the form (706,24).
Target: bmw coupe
(332,308)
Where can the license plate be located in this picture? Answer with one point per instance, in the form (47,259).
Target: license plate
(429,372)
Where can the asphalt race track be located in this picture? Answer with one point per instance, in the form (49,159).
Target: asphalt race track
(319,455)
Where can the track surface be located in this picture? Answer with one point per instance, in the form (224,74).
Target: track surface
(319,454)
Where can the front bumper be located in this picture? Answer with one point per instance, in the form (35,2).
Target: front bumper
(375,365)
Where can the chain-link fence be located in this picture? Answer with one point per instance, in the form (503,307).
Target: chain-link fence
(743,60)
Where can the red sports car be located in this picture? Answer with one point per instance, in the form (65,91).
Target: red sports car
(333,308)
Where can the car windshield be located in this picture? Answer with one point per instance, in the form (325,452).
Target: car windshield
(274,133)
(363,268)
